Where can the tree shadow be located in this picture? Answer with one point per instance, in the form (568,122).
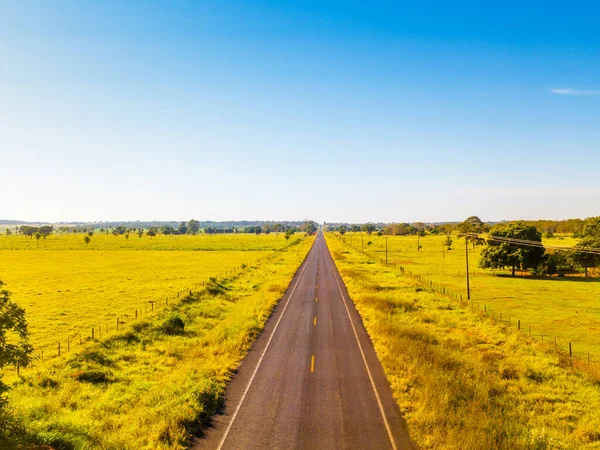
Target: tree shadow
(552,278)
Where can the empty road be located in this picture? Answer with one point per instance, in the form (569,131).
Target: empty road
(312,379)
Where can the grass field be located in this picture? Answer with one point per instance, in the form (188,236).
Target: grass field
(102,241)
(66,292)
(155,382)
(463,380)
(567,308)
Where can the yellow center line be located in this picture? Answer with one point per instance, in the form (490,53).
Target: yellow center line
(316,299)
(312,363)
(315,322)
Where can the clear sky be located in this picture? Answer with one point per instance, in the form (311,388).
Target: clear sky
(278,110)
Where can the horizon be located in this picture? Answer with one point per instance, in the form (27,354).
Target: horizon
(340,111)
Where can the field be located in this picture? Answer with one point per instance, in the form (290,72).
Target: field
(461,379)
(156,380)
(68,288)
(566,308)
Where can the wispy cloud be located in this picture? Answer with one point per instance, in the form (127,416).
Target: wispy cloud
(567,91)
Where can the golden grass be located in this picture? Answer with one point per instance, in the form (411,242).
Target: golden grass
(151,385)
(565,308)
(462,380)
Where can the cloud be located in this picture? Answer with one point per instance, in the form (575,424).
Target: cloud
(567,91)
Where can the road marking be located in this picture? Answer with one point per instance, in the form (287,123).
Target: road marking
(385,421)
(312,363)
(316,299)
(237,409)
(315,322)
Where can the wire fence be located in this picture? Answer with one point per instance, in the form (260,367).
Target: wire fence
(125,318)
(566,351)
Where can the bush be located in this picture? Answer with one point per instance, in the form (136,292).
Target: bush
(173,325)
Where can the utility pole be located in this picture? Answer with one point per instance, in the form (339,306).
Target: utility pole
(467,260)
(418,243)
(386,251)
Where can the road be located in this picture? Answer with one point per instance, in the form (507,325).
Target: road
(312,379)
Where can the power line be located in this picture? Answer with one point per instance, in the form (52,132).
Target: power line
(538,244)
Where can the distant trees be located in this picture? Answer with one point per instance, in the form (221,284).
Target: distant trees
(140,233)
(590,238)
(310,227)
(448,242)
(37,235)
(342,229)
(193,227)
(182,228)
(368,228)
(498,255)
(257,230)
(87,239)
(355,228)
(151,233)
(470,228)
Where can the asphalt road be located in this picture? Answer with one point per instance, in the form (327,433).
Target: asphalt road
(312,379)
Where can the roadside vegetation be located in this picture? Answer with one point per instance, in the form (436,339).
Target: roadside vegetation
(561,304)
(155,382)
(463,380)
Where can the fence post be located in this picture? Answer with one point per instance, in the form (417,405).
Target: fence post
(93,335)
(59,349)
(68,345)
(555,346)
(519,324)
(570,350)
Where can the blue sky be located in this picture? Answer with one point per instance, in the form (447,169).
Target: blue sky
(336,111)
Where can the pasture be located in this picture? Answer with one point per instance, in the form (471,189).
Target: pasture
(463,380)
(159,378)
(67,287)
(567,308)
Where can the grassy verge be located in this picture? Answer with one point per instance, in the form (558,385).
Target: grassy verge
(462,380)
(153,385)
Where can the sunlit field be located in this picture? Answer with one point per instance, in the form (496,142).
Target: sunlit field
(153,383)
(67,287)
(563,307)
(463,380)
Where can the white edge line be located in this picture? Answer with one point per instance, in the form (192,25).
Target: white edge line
(385,421)
(237,409)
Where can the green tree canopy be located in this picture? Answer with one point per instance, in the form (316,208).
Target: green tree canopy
(368,228)
(193,227)
(498,255)
(590,238)
(15,349)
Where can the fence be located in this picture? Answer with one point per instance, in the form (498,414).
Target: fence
(566,351)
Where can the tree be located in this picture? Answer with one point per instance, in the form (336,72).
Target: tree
(87,239)
(368,228)
(151,233)
(90,233)
(140,233)
(46,230)
(448,242)
(193,226)
(257,230)
(182,228)
(310,227)
(8,232)
(355,228)
(590,238)
(470,228)
(15,349)
(342,229)
(37,235)
(498,255)
(288,234)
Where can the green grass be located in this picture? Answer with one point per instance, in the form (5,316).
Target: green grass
(155,383)
(463,380)
(566,308)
